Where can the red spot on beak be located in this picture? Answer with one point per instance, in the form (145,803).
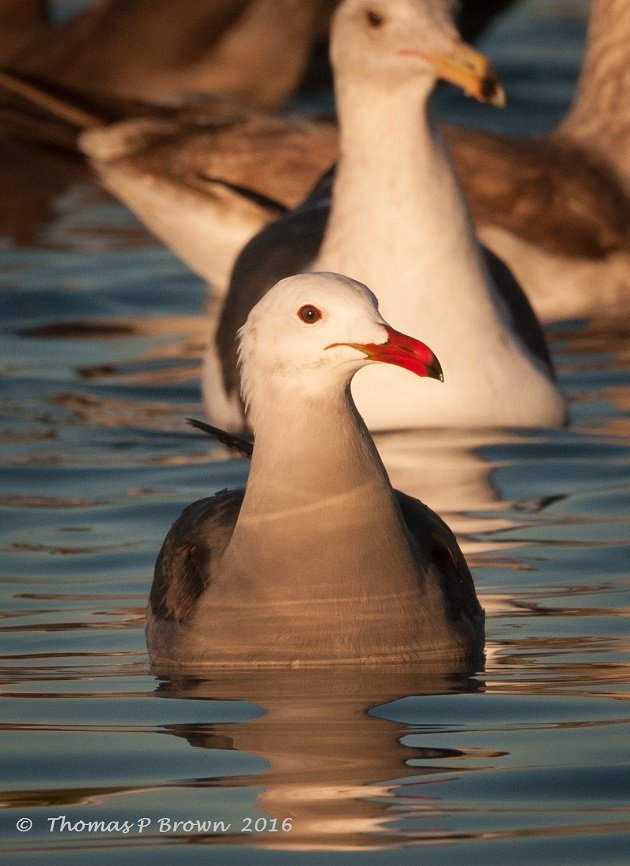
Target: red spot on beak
(403,351)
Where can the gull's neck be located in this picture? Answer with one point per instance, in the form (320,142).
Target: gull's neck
(398,219)
(600,115)
(319,448)
(318,495)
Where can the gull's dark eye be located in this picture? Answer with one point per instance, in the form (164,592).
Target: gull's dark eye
(374,19)
(309,314)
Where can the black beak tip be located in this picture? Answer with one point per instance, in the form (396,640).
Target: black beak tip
(435,370)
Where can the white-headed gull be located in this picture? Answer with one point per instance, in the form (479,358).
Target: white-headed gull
(319,560)
(398,222)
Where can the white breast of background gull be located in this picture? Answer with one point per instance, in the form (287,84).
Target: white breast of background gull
(319,560)
(399,223)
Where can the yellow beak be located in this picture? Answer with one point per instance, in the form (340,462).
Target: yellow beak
(471,70)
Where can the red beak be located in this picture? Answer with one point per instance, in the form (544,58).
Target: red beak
(403,351)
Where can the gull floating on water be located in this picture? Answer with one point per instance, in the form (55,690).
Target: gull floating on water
(319,560)
(398,222)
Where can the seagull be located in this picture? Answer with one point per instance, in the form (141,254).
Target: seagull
(149,49)
(394,217)
(556,208)
(204,172)
(319,560)
(203,177)
(21,21)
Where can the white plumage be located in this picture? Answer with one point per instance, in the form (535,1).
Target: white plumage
(398,222)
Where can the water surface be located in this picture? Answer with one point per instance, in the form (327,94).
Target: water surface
(525,761)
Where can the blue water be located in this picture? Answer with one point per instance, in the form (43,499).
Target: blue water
(524,762)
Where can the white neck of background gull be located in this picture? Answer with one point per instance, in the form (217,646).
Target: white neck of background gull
(398,218)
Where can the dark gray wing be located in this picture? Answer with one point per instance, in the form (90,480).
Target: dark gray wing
(285,247)
(524,322)
(184,565)
(432,534)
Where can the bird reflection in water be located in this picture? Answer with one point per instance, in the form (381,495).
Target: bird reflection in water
(337,765)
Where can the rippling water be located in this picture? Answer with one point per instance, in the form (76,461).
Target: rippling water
(525,762)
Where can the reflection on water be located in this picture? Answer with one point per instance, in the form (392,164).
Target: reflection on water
(525,761)
(329,760)
(447,472)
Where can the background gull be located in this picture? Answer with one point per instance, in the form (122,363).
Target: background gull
(399,222)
